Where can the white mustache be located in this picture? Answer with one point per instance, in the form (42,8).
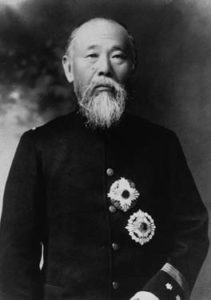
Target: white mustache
(105,82)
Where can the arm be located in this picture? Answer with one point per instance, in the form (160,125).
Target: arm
(189,227)
(20,229)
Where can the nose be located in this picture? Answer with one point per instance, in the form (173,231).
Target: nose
(104,67)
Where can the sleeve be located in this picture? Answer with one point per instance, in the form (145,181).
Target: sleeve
(21,226)
(189,227)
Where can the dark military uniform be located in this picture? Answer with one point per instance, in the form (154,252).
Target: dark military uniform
(57,194)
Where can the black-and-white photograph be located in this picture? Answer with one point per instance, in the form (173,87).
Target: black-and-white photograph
(105,149)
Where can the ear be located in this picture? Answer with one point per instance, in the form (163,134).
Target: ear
(67,66)
(133,68)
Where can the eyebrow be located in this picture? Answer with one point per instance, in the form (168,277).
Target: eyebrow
(92,47)
(119,48)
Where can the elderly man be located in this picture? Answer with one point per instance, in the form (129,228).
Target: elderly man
(107,194)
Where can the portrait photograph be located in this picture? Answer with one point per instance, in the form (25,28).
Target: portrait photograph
(105,149)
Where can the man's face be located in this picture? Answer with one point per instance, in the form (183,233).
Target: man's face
(100,56)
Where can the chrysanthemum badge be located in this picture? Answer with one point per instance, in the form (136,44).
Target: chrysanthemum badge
(123,194)
(141,227)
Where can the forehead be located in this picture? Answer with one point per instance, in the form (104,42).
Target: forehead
(100,33)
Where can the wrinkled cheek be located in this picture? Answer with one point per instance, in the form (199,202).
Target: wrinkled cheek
(78,89)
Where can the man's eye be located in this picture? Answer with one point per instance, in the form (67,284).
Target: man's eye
(92,55)
(119,57)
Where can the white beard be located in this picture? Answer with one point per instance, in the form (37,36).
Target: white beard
(104,108)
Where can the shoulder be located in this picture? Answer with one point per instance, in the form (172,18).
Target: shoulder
(54,126)
(51,129)
(139,127)
(50,134)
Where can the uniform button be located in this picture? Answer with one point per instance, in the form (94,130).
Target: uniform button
(115,246)
(110,172)
(112,209)
(115,285)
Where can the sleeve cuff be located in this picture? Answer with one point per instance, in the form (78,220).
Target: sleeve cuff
(165,287)
(178,277)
